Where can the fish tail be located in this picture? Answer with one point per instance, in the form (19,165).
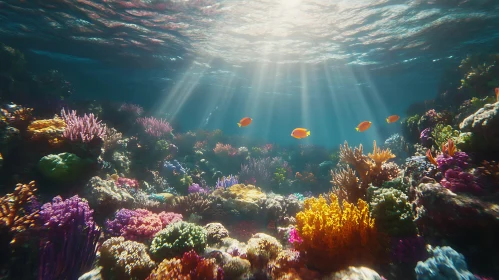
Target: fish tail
(238,124)
(388,120)
(308,133)
(357,129)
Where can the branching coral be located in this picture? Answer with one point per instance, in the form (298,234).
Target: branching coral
(15,212)
(371,169)
(189,267)
(194,203)
(125,259)
(84,128)
(335,236)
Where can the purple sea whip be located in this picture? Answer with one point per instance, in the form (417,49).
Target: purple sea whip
(69,239)
(84,128)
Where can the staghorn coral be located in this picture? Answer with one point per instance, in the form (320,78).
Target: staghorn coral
(372,169)
(178,238)
(189,267)
(83,129)
(155,127)
(334,237)
(15,212)
(125,259)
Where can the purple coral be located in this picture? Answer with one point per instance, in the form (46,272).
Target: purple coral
(139,224)
(69,238)
(458,181)
(260,169)
(226,182)
(84,128)
(458,159)
(155,127)
(425,137)
(132,108)
(196,188)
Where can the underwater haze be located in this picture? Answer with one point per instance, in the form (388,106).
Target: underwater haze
(249,139)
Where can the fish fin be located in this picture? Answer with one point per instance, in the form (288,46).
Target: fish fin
(357,128)
(388,120)
(238,124)
(308,133)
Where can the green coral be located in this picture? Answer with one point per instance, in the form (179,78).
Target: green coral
(441,134)
(61,167)
(397,183)
(392,211)
(279,176)
(178,238)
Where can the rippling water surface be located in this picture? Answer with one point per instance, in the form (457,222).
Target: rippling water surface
(308,53)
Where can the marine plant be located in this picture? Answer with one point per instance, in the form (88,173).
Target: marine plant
(336,236)
(178,238)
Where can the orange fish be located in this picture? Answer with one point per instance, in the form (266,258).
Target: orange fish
(497,93)
(363,126)
(244,122)
(300,133)
(392,118)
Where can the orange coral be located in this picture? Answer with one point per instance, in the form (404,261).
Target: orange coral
(335,237)
(371,169)
(430,157)
(345,179)
(190,267)
(306,177)
(449,148)
(50,129)
(13,214)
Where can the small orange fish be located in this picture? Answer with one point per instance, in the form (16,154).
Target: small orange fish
(392,118)
(244,122)
(497,93)
(363,126)
(300,133)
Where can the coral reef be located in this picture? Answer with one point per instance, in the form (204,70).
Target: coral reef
(445,263)
(178,238)
(216,232)
(335,237)
(189,267)
(122,259)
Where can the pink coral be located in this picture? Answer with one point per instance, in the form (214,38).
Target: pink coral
(294,237)
(131,183)
(155,127)
(224,149)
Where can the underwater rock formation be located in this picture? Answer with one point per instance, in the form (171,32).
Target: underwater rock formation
(484,124)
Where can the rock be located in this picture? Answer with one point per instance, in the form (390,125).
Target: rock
(484,126)
(93,274)
(466,223)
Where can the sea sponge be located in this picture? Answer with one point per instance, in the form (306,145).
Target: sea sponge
(178,238)
(261,249)
(335,236)
(62,167)
(125,259)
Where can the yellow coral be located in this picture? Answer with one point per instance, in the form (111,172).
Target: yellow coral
(50,129)
(247,193)
(334,236)
(380,156)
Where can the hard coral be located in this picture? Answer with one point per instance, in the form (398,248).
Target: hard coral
(83,129)
(190,267)
(50,129)
(15,212)
(261,249)
(125,259)
(178,238)
(334,236)
(371,169)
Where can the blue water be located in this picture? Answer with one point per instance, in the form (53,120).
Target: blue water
(323,65)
